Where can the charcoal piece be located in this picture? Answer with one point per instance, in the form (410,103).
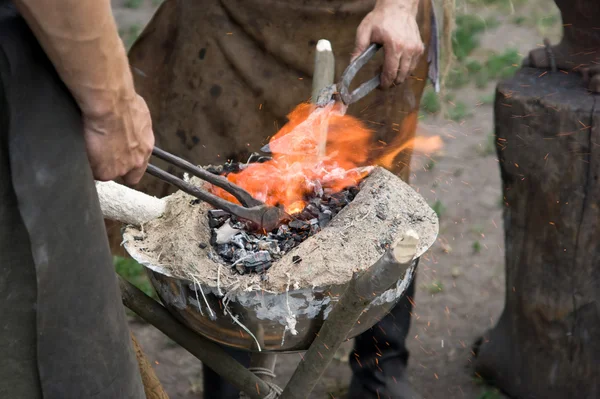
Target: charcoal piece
(202,245)
(312,209)
(216,222)
(297,237)
(240,268)
(299,225)
(296,259)
(195,201)
(249,247)
(314,229)
(283,230)
(225,250)
(138,238)
(217,213)
(324,218)
(215,170)
(239,254)
(257,262)
(238,241)
(354,190)
(270,246)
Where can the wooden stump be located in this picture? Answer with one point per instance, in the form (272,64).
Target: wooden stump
(547,341)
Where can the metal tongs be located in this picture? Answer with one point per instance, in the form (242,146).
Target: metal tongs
(342,88)
(263,217)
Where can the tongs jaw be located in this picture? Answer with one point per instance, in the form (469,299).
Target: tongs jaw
(262,217)
(342,88)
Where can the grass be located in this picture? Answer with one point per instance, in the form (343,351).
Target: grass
(489,147)
(133,4)
(435,287)
(458,112)
(519,20)
(466,36)
(490,394)
(133,272)
(476,247)
(439,208)
(430,102)
(488,99)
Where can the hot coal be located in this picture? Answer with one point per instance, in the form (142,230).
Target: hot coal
(248,252)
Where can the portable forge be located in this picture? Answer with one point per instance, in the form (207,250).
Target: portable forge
(340,270)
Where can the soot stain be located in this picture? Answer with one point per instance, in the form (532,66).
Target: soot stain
(202,53)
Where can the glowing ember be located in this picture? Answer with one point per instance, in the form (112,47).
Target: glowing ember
(298,169)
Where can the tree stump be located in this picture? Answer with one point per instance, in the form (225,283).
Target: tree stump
(547,341)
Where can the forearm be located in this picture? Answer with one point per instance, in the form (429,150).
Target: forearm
(412,6)
(81,39)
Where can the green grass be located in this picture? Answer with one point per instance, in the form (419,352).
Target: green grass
(548,21)
(133,272)
(497,66)
(489,147)
(458,112)
(476,247)
(435,287)
(430,102)
(133,4)
(438,208)
(519,20)
(466,36)
(488,99)
(490,394)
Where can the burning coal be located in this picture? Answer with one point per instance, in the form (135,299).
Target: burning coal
(319,159)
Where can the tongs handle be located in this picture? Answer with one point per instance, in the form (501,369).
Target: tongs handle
(239,193)
(351,71)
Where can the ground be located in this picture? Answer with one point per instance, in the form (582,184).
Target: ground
(460,282)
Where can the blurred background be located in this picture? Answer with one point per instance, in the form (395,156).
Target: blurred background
(460,283)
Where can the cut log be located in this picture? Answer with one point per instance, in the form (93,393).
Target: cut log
(547,341)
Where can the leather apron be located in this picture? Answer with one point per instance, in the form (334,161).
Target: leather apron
(63,330)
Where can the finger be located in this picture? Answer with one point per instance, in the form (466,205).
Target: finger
(363,40)
(390,66)
(134,176)
(405,64)
(414,64)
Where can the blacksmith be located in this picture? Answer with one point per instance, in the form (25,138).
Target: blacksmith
(68,114)
(220,76)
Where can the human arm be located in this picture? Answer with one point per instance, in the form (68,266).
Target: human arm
(393,24)
(81,40)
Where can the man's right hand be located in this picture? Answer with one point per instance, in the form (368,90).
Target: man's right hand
(119,143)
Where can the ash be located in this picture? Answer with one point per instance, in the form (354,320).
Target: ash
(247,252)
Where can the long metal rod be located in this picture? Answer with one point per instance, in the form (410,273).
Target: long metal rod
(217,202)
(242,195)
(209,353)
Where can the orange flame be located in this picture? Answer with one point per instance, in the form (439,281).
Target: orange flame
(300,165)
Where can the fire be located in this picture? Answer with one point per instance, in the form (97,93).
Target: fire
(320,148)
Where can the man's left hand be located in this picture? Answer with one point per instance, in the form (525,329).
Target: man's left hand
(393,24)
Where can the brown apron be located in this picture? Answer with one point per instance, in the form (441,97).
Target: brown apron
(220,76)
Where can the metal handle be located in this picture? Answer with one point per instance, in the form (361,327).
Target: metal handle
(350,73)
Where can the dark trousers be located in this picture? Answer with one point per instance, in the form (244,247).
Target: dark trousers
(386,342)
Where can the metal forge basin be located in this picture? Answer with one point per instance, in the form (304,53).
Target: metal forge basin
(285,312)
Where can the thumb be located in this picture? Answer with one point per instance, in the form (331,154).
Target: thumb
(363,40)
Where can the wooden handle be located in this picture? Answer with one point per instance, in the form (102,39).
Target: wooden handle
(126,205)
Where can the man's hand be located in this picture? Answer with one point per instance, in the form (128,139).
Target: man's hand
(81,39)
(393,24)
(119,143)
